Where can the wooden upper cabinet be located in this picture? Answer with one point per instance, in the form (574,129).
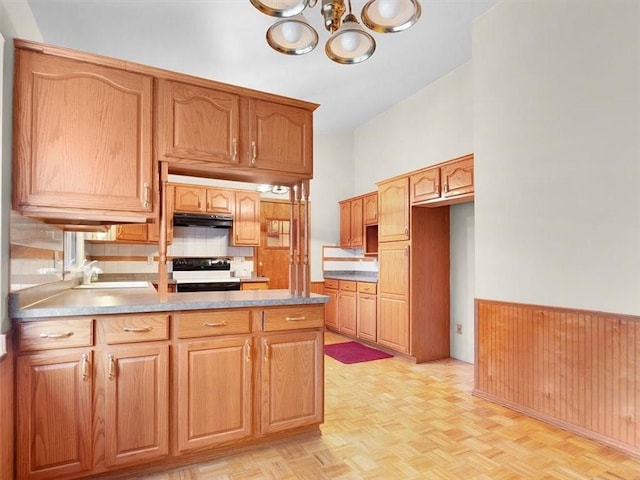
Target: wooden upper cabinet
(425,185)
(221,201)
(450,182)
(351,226)
(132,233)
(197,123)
(189,198)
(457,177)
(246,220)
(370,209)
(394,210)
(200,199)
(82,141)
(280,137)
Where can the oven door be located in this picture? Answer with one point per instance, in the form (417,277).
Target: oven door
(208,286)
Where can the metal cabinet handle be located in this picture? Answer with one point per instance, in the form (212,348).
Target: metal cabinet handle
(112,366)
(215,324)
(247,347)
(267,350)
(295,319)
(147,190)
(84,367)
(56,335)
(235,149)
(138,329)
(446,187)
(254,153)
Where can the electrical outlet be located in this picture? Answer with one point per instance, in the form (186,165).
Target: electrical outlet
(459,328)
(149,259)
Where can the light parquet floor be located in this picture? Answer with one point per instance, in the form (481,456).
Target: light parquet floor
(390,419)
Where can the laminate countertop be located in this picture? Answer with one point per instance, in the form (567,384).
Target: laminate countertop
(105,301)
(371,277)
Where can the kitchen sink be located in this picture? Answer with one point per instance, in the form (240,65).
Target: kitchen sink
(122,284)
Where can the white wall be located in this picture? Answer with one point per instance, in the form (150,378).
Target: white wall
(429,127)
(557,145)
(333,173)
(432,126)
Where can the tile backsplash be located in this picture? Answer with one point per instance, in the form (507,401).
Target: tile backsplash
(187,242)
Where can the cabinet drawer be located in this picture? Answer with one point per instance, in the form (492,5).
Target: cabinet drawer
(367,287)
(135,328)
(331,283)
(348,285)
(209,323)
(293,317)
(49,334)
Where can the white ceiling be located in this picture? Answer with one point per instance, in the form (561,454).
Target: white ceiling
(224,40)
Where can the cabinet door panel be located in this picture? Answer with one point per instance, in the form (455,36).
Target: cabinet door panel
(345,223)
(393,296)
(83,138)
(132,233)
(281,137)
(457,178)
(357,225)
(246,221)
(393,207)
(189,199)
(214,391)
(370,209)
(347,308)
(54,414)
(393,324)
(221,201)
(292,380)
(198,123)
(425,185)
(136,404)
(367,316)
(331,308)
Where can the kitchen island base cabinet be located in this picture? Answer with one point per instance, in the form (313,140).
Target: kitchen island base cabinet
(213,391)
(54,414)
(292,373)
(95,395)
(136,404)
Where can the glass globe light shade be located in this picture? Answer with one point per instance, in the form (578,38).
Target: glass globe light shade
(388,8)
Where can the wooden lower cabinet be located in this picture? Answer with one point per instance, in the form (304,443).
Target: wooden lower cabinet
(367,312)
(54,414)
(136,422)
(254,285)
(292,378)
(347,307)
(331,309)
(213,391)
(96,395)
(393,296)
(352,309)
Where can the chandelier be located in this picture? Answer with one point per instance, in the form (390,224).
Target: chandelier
(349,42)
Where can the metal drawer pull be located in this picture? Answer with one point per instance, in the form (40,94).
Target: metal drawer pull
(112,367)
(138,329)
(295,319)
(267,350)
(147,189)
(215,324)
(254,153)
(56,335)
(85,367)
(235,149)
(247,346)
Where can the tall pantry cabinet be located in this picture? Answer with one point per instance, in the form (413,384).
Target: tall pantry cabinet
(413,278)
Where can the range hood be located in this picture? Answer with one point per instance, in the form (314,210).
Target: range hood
(202,220)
